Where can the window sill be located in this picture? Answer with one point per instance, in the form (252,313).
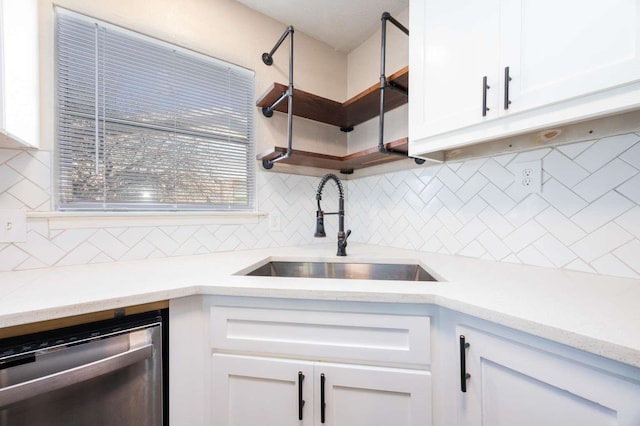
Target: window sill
(78,220)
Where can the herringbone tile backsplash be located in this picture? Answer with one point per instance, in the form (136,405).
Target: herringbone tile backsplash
(586,218)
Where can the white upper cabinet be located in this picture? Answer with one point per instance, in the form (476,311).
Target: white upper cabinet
(19,87)
(545,62)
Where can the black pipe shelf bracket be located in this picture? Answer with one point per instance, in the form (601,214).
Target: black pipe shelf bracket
(384,84)
(267,58)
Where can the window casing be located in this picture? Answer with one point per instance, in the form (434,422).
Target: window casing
(144,125)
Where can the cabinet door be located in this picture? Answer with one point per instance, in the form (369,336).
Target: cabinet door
(561,50)
(372,396)
(512,384)
(260,391)
(19,74)
(453,45)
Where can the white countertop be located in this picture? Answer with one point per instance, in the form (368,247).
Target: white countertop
(595,313)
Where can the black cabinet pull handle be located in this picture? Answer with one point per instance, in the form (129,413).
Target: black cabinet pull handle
(300,400)
(464,376)
(322,403)
(507,79)
(485,87)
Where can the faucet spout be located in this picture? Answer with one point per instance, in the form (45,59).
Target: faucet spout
(342,236)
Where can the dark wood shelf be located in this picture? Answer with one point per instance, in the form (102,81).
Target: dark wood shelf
(357,110)
(358,160)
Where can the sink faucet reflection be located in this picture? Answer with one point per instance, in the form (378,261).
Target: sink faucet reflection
(342,237)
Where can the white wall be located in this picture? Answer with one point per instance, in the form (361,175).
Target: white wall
(363,71)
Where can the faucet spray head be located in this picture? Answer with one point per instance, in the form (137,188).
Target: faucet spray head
(320,225)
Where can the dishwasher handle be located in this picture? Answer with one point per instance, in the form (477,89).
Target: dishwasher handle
(31,388)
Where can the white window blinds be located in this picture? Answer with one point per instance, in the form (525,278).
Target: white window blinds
(143,125)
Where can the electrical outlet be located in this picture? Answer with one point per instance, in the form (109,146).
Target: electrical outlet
(528,177)
(274,221)
(13,226)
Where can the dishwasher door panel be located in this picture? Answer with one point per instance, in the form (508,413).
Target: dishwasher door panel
(113,380)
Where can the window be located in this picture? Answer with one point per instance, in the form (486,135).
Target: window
(144,125)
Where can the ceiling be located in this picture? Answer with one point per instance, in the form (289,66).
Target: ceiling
(342,24)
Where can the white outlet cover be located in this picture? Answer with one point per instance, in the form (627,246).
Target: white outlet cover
(13,226)
(528,177)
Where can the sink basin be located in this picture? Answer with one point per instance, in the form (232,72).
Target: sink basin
(357,271)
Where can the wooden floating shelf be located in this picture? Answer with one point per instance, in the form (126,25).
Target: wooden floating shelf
(357,110)
(358,160)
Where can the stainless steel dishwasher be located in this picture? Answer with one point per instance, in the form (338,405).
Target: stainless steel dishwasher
(103,373)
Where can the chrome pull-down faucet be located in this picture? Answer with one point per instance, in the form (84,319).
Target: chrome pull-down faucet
(342,236)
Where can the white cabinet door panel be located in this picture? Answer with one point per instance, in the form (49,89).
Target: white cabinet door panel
(374,396)
(453,44)
(511,383)
(260,391)
(562,50)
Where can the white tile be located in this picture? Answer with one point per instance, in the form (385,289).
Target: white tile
(449,178)
(81,255)
(7,154)
(431,208)
(474,249)
(631,189)
(554,250)
(579,265)
(471,187)
(632,156)
(600,242)
(497,198)
(601,211)
(11,257)
(494,245)
(183,233)
(448,240)
(605,150)
(611,265)
(532,256)
(497,174)
(29,193)
(41,248)
(30,263)
(524,235)
(8,177)
(449,200)
(563,169)
(69,239)
(140,250)
(431,189)
(470,168)
(470,231)
(471,209)
(132,236)
(31,169)
(504,159)
(496,222)
(108,244)
(559,226)
(604,180)
(630,221)
(630,254)
(572,150)
(562,198)
(207,239)
(526,210)
(162,241)
(536,154)
(449,220)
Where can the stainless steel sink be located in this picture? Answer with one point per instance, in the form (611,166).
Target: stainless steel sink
(357,271)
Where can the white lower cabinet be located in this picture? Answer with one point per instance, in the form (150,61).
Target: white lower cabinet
(251,390)
(515,379)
